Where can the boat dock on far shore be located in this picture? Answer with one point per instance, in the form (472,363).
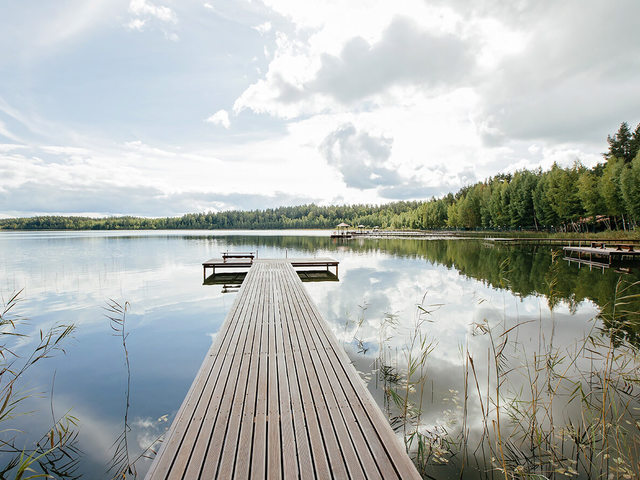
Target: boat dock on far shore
(602,254)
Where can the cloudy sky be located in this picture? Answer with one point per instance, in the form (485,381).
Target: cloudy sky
(163,107)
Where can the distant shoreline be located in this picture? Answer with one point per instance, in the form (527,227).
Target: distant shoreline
(610,235)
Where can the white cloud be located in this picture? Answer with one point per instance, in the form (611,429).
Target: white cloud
(263,28)
(173,36)
(64,150)
(342,62)
(221,117)
(404,55)
(144,7)
(445,84)
(137,178)
(136,24)
(4,131)
(145,13)
(449,92)
(362,159)
(8,147)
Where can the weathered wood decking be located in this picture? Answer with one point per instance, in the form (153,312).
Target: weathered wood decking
(277,397)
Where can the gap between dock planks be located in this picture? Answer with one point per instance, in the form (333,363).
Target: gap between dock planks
(277,397)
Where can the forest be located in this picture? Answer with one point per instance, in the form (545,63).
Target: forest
(572,199)
(577,198)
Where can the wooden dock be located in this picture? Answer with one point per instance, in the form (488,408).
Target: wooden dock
(599,253)
(246,262)
(277,397)
(570,242)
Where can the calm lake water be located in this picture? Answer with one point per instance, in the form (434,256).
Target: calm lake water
(68,277)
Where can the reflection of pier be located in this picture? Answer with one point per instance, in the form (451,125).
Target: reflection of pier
(230,288)
(231,282)
(226,278)
(601,255)
(590,263)
(277,396)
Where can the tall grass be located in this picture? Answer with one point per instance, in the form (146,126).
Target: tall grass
(123,462)
(546,412)
(56,453)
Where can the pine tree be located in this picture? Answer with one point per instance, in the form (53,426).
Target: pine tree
(609,186)
(589,195)
(620,145)
(634,144)
(630,189)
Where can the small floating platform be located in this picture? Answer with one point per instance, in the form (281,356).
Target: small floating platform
(600,253)
(245,262)
(277,397)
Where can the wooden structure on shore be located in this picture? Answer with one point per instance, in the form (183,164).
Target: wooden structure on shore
(276,397)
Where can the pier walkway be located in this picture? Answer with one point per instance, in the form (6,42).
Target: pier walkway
(277,397)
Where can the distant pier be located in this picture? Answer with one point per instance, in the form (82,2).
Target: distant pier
(603,254)
(572,242)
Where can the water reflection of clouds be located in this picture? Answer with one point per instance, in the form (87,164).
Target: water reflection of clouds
(97,433)
(389,284)
(76,291)
(173,318)
(68,280)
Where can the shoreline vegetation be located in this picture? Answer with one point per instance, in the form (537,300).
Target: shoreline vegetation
(575,199)
(546,411)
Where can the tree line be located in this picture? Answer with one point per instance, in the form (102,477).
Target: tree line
(575,198)
(561,199)
(296,217)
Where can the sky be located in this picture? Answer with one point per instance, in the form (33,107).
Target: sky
(165,107)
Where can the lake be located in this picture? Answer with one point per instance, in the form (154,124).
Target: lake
(479,317)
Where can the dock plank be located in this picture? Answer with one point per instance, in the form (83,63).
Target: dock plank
(346,408)
(299,423)
(310,416)
(381,440)
(277,397)
(317,360)
(189,415)
(206,443)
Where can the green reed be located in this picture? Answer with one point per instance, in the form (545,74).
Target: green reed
(545,413)
(56,453)
(123,462)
